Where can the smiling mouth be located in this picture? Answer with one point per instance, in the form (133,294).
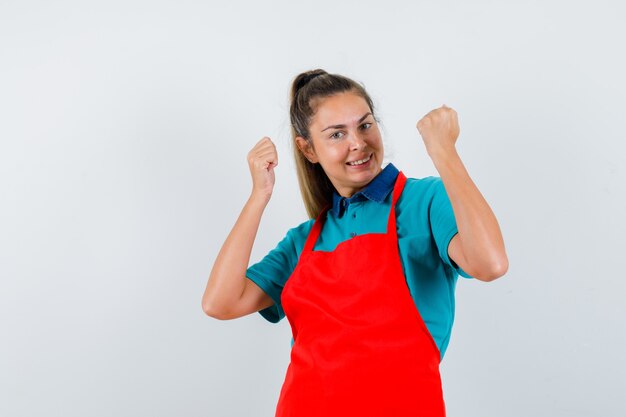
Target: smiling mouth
(360,161)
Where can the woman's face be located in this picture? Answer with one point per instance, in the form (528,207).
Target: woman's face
(346,142)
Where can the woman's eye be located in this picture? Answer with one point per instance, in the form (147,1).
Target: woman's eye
(339,135)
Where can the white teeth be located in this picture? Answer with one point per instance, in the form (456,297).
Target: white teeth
(359,162)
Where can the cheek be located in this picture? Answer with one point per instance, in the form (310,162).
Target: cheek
(375,140)
(339,154)
(335,156)
(374,134)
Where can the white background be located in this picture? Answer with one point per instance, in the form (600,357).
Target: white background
(124,129)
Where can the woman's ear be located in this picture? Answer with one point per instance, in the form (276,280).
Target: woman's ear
(307,149)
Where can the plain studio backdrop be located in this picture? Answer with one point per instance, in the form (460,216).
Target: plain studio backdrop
(124,129)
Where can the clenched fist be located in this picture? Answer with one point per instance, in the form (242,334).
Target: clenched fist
(439,129)
(262,159)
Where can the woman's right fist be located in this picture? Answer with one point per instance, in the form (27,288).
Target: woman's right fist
(262,159)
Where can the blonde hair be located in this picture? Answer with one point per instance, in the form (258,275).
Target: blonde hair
(307,90)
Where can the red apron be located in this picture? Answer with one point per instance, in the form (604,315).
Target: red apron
(360,347)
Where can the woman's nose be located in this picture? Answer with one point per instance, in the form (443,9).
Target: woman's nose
(357,142)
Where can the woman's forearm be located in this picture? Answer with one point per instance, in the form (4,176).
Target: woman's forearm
(228,275)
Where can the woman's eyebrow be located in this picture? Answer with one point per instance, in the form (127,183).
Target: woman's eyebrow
(340,126)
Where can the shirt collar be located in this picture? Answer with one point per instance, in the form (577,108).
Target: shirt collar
(377,190)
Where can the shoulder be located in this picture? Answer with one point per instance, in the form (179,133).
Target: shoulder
(417,201)
(419,190)
(302,229)
(296,236)
(284,256)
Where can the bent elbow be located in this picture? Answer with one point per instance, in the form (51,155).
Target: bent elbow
(210,311)
(497,270)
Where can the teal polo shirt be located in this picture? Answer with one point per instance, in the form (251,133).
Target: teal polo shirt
(425,223)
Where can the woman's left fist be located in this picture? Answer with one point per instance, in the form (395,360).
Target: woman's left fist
(439,129)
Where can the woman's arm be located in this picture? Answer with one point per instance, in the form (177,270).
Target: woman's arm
(227,280)
(478,248)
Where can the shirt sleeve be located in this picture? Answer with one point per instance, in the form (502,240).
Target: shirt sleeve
(443,224)
(272,272)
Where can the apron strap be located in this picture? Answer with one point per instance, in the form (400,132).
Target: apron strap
(397,190)
(315,231)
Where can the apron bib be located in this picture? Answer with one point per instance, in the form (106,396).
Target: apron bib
(360,347)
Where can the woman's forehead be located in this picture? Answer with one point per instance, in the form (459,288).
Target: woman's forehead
(340,109)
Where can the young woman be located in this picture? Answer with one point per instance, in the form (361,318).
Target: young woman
(367,283)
